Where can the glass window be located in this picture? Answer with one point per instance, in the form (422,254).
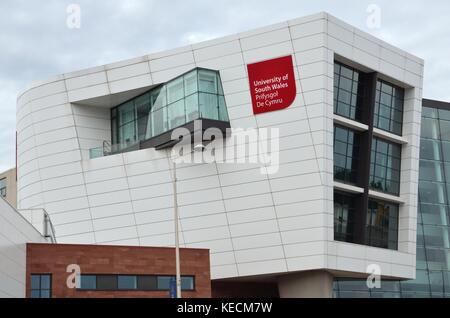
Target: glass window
(209,107)
(430,128)
(164,282)
(430,149)
(385,166)
(437,236)
(143,107)
(107,282)
(177,114)
(159,121)
(195,95)
(346,92)
(207,81)
(3,187)
(190,83)
(444,130)
(88,282)
(344,214)
(175,90)
(192,111)
(41,286)
(389,102)
(147,283)
(420,284)
(346,154)
(187,283)
(382,225)
(127,282)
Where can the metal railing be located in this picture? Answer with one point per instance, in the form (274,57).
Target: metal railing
(49,230)
(41,220)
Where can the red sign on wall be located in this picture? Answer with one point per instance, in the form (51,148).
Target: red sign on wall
(272,84)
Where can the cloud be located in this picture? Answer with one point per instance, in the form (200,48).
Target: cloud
(36,43)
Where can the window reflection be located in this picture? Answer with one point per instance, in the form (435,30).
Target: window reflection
(388,113)
(385,166)
(346,154)
(195,95)
(347,91)
(382,225)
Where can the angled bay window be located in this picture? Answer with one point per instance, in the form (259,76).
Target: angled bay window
(195,95)
(388,114)
(347,92)
(385,166)
(346,152)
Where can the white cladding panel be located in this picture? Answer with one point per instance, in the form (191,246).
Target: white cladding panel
(15,233)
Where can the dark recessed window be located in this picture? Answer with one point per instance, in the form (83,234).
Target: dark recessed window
(382,225)
(388,114)
(346,153)
(41,286)
(3,188)
(147,283)
(107,282)
(347,92)
(385,166)
(344,214)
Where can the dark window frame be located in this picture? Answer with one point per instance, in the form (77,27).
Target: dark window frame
(342,198)
(352,142)
(355,92)
(379,118)
(39,289)
(383,225)
(391,171)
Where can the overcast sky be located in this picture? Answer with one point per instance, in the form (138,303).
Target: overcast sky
(36,43)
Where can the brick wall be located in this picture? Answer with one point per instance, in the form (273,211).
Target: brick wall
(99,259)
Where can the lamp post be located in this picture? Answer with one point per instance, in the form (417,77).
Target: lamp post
(177,237)
(199,147)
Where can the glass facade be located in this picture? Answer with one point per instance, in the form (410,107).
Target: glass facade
(389,107)
(41,286)
(195,95)
(346,152)
(385,166)
(433,228)
(347,92)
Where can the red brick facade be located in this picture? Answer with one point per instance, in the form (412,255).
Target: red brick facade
(99,259)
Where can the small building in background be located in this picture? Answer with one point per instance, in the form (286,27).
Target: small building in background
(8,186)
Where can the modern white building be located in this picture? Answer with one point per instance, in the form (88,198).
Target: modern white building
(94,152)
(15,233)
